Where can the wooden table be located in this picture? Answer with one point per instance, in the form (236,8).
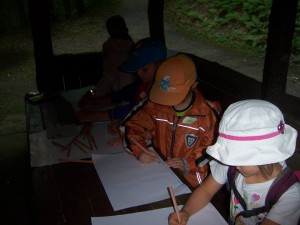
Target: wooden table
(72,193)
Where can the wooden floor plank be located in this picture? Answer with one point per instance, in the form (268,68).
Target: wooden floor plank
(76,208)
(95,192)
(46,200)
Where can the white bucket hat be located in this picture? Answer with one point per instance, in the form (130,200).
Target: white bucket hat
(253,132)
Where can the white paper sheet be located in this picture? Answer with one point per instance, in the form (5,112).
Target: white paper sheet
(73,96)
(43,152)
(129,183)
(207,216)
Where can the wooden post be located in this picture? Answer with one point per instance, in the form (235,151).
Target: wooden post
(280,36)
(156,19)
(41,35)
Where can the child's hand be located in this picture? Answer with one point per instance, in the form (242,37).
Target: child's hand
(175,163)
(173,220)
(116,142)
(148,157)
(113,127)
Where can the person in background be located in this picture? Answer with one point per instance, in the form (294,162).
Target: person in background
(143,61)
(254,139)
(115,51)
(180,122)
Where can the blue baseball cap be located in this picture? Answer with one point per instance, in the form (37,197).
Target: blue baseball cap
(145,51)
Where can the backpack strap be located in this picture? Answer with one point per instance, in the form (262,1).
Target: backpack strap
(297,174)
(231,176)
(283,182)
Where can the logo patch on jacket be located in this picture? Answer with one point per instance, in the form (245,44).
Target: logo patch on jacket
(190,140)
(189,120)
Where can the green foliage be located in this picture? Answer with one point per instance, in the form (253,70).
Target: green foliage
(14,13)
(235,23)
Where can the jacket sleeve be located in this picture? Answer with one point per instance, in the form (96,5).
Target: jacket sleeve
(206,140)
(136,126)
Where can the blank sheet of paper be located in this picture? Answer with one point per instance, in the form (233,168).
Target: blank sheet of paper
(73,96)
(207,216)
(129,183)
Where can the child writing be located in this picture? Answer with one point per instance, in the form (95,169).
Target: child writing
(145,57)
(177,117)
(254,139)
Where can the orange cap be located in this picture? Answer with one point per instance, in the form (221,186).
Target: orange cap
(173,80)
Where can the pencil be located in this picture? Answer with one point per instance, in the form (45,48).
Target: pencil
(174,203)
(140,146)
(59,145)
(74,161)
(93,140)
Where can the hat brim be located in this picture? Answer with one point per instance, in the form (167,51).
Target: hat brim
(249,153)
(132,64)
(159,96)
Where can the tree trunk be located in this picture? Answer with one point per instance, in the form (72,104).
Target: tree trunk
(80,7)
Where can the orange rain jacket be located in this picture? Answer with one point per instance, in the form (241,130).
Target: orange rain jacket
(175,137)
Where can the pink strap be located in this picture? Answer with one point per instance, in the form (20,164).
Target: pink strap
(250,138)
(297,173)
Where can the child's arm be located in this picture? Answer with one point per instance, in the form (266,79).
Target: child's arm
(136,128)
(269,222)
(200,197)
(147,157)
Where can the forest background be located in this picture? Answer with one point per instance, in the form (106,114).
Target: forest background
(239,24)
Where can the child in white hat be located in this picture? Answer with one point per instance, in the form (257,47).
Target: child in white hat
(255,140)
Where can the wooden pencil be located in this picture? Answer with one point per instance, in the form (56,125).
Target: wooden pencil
(140,146)
(75,161)
(174,203)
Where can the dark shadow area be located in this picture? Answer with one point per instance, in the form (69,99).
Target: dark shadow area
(74,71)
(11,58)
(15,184)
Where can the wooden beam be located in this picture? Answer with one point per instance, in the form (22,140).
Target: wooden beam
(156,19)
(41,35)
(280,36)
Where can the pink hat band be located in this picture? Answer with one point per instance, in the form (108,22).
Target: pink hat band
(255,138)
(253,132)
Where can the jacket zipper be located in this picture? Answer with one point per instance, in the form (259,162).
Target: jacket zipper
(173,135)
